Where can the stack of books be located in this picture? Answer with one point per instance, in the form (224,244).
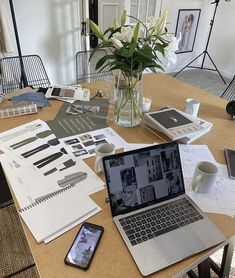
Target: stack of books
(177,125)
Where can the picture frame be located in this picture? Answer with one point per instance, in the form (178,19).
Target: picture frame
(187,25)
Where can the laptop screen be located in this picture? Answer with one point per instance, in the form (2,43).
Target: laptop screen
(143,177)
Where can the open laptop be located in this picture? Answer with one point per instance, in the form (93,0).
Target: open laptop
(158,222)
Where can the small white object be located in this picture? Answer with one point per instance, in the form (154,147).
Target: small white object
(95,109)
(174,119)
(192,106)
(146,104)
(2,97)
(101,151)
(204,176)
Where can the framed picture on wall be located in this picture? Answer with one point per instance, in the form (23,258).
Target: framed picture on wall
(187,23)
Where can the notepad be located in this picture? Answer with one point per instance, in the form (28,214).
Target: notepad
(54,213)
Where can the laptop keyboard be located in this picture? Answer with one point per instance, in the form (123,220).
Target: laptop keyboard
(159,220)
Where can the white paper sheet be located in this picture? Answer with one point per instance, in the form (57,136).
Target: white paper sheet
(83,145)
(73,225)
(134,146)
(191,155)
(29,182)
(50,216)
(220,199)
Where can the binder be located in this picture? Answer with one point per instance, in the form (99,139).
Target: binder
(55,212)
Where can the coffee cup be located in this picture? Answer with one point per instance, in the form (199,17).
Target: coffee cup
(204,176)
(101,151)
(192,106)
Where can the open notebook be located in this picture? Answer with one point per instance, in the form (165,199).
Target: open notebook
(56,212)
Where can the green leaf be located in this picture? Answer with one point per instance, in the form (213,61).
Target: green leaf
(123,18)
(111,29)
(156,66)
(115,23)
(96,29)
(101,62)
(104,59)
(122,65)
(159,47)
(127,51)
(105,66)
(137,32)
(146,54)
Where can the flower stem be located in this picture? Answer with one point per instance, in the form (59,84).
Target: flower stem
(129,95)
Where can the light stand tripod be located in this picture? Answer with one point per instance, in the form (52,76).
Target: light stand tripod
(205,52)
(23,77)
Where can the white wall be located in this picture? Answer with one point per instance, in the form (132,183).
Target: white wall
(222,40)
(51,28)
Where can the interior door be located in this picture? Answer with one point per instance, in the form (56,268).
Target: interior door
(102,12)
(107,11)
(142,9)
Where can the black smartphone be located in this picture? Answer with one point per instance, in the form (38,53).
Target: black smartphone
(84,245)
(230,159)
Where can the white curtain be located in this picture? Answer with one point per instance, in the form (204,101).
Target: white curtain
(6,45)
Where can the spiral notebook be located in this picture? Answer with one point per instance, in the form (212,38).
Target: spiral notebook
(56,212)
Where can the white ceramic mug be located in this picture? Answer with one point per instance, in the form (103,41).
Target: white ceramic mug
(101,151)
(204,176)
(192,106)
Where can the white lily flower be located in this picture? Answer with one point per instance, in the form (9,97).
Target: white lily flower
(158,24)
(151,21)
(125,35)
(130,39)
(115,23)
(117,43)
(171,48)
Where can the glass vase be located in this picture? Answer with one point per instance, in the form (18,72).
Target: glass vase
(128,102)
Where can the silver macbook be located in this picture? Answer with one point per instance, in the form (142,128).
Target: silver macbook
(158,222)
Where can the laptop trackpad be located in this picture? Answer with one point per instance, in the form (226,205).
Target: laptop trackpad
(180,244)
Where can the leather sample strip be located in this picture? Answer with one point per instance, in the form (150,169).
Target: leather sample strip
(52,142)
(72,179)
(69,163)
(41,135)
(20,132)
(46,160)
